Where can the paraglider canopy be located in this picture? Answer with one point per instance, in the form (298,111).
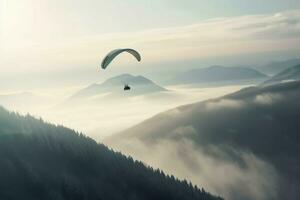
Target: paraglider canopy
(113,54)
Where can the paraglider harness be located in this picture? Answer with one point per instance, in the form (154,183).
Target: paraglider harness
(126,87)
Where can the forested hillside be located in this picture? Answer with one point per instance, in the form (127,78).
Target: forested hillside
(43,161)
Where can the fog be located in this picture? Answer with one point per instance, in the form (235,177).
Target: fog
(207,166)
(100,117)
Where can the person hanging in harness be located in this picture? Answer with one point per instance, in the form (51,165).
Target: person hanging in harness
(126,87)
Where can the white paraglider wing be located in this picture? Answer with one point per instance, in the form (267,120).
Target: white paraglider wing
(113,54)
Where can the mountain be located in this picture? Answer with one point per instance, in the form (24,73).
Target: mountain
(114,86)
(249,140)
(277,67)
(44,161)
(217,74)
(290,74)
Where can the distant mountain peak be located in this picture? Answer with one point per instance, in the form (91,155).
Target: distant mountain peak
(217,73)
(276,67)
(127,78)
(260,122)
(287,75)
(216,67)
(121,77)
(114,85)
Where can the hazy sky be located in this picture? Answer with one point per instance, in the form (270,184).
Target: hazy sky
(58,37)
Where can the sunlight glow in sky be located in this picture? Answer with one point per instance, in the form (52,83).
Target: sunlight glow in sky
(71,36)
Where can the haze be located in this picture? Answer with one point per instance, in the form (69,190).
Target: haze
(52,49)
(57,44)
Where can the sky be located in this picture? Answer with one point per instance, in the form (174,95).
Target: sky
(54,40)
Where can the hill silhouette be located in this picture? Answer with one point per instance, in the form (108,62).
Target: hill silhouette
(217,74)
(114,86)
(290,74)
(44,161)
(278,66)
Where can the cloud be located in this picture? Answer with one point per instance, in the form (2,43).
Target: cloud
(209,38)
(99,116)
(229,146)
(214,37)
(267,99)
(223,103)
(208,167)
(280,25)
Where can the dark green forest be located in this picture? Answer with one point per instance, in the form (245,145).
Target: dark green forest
(43,161)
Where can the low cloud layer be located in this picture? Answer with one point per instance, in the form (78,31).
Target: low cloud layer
(208,167)
(267,99)
(100,117)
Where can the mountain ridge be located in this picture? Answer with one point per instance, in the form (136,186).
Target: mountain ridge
(140,85)
(289,74)
(215,74)
(258,122)
(276,67)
